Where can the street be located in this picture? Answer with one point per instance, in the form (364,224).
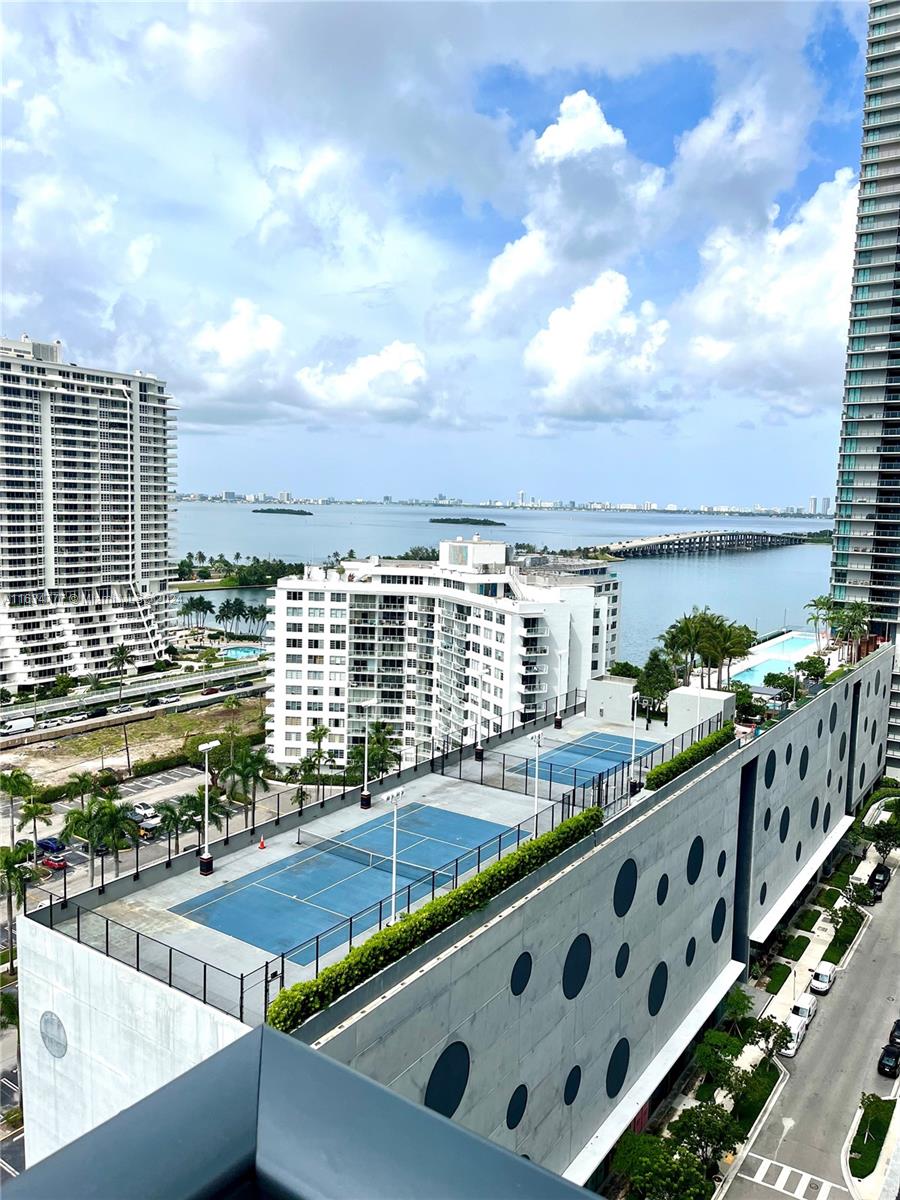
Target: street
(798,1150)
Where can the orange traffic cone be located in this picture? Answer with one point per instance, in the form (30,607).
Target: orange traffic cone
(262,843)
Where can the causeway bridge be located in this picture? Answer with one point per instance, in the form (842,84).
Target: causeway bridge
(705,541)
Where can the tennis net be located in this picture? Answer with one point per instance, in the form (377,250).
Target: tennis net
(368,858)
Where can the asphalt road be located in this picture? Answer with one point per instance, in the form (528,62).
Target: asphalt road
(798,1150)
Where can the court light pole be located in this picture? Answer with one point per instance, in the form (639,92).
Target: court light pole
(365,796)
(206,862)
(394,799)
(536,738)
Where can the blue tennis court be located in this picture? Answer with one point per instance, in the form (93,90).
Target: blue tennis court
(578,762)
(291,901)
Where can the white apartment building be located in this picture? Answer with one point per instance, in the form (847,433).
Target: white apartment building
(446,648)
(86,462)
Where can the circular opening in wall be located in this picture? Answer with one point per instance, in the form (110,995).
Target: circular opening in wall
(866,725)
(762,893)
(575,969)
(617,1068)
(695,860)
(573,1083)
(840,784)
(625,887)
(659,982)
(690,951)
(868,689)
(826,818)
(874,731)
(804,762)
(877,680)
(767,819)
(832,718)
(846,690)
(662,889)
(720,865)
(862,774)
(521,973)
(842,749)
(828,778)
(769,772)
(53,1034)
(819,728)
(784,824)
(717,925)
(448,1079)
(622,960)
(880,754)
(799,851)
(515,1110)
(814,813)
(789,753)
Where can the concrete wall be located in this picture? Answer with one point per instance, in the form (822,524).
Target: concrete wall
(609,698)
(124,1036)
(687,708)
(698,852)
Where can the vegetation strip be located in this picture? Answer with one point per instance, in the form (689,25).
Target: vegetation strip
(295,1004)
(865,1150)
(690,757)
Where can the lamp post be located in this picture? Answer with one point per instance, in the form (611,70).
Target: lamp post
(536,738)
(561,689)
(365,796)
(394,799)
(634,708)
(206,862)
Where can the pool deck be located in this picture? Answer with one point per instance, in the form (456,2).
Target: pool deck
(771,651)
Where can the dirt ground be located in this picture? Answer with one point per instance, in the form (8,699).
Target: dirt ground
(54,761)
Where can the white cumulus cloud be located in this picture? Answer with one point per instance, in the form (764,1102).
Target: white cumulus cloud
(389,384)
(138,254)
(246,333)
(580,128)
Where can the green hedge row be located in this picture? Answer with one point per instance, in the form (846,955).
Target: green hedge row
(688,758)
(293,1005)
(165,762)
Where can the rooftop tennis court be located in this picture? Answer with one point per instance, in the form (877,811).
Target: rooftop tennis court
(574,763)
(293,900)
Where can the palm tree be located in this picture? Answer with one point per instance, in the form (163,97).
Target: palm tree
(681,641)
(15,784)
(171,820)
(820,610)
(79,785)
(34,810)
(237,784)
(737,643)
(9,1019)
(383,755)
(231,704)
(204,608)
(16,872)
(85,825)
(249,767)
(321,756)
(853,622)
(121,657)
(93,681)
(713,644)
(191,808)
(116,823)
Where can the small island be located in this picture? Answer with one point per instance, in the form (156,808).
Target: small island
(288,512)
(464,521)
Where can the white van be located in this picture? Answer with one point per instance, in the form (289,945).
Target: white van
(805,1006)
(17,725)
(797,1027)
(822,977)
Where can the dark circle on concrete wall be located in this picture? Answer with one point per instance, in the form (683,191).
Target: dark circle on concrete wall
(804,762)
(448,1079)
(622,959)
(799,851)
(832,718)
(521,973)
(789,753)
(826,818)
(877,680)
(515,1110)
(828,778)
(573,1083)
(814,813)
(841,784)
(690,951)
(784,824)
(865,725)
(617,1068)
(769,773)
(659,982)
(575,969)
(662,888)
(720,865)
(695,859)
(846,690)
(862,774)
(874,731)
(762,893)
(718,920)
(53,1034)
(868,689)
(819,729)
(880,754)
(626,884)
(767,819)
(842,749)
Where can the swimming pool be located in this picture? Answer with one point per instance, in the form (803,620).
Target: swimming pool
(754,676)
(242,652)
(797,643)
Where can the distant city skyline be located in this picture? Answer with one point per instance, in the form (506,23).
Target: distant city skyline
(611,247)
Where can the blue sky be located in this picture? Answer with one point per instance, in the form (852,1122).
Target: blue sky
(592,250)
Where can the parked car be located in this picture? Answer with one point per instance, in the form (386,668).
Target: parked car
(878,881)
(150,823)
(51,845)
(55,862)
(894,1039)
(151,702)
(244,683)
(210,691)
(823,976)
(121,708)
(99,712)
(889,1062)
(228,686)
(143,809)
(797,1027)
(17,725)
(805,1006)
(74,718)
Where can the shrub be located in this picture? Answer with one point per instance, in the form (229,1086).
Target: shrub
(870,1136)
(836,675)
(165,762)
(778,974)
(843,938)
(828,896)
(293,1005)
(807,919)
(749,1102)
(688,758)
(795,946)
